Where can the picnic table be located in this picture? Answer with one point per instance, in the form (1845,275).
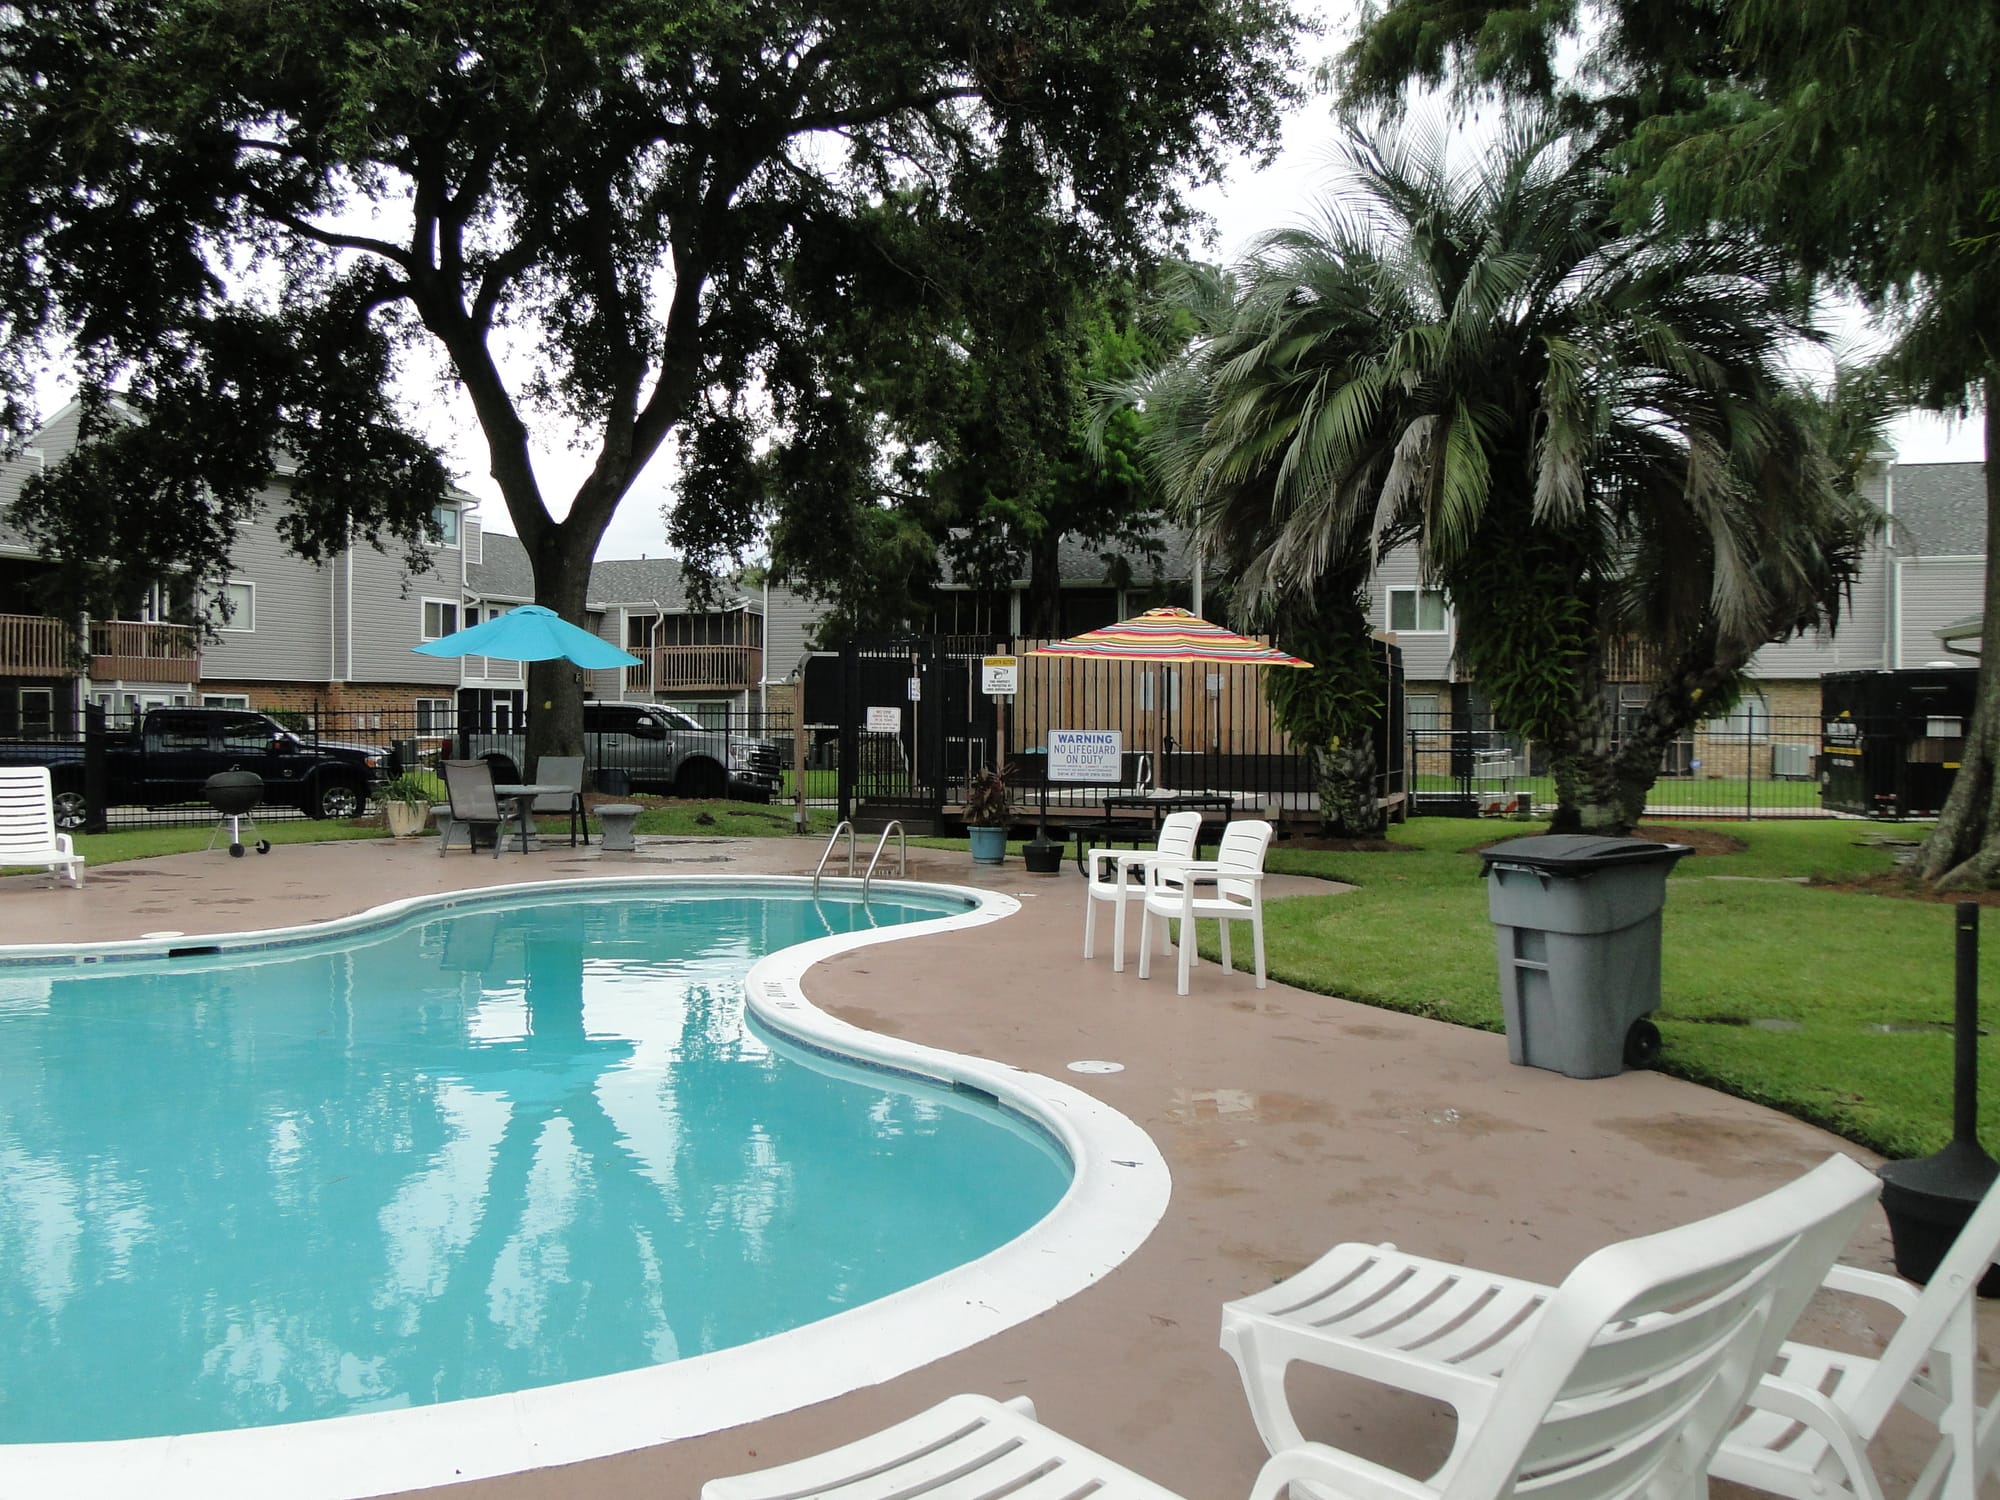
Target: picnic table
(1143,814)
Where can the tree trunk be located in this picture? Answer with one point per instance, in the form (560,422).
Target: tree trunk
(1964,849)
(555,688)
(1583,759)
(1346,777)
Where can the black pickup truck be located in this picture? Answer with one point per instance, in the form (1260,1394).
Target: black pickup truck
(170,755)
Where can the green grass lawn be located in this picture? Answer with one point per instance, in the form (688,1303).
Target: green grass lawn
(1825,1003)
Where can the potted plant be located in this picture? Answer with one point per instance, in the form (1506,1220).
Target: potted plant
(988,807)
(406,804)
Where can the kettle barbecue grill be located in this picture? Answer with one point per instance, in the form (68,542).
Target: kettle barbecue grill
(233,794)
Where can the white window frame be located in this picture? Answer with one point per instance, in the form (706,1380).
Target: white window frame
(226,700)
(450,523)
(436,716)
(424,631)
(1416,593)
(1749,719)
(242,621)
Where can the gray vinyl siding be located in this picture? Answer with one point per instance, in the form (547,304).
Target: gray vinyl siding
(1859,644)
(388,615)
(789,621)
(1936,592)
(1426,655)
(53,441)
(291,625)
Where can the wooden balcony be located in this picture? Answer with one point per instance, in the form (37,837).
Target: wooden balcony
(133,651)
(35,646)
(695,669)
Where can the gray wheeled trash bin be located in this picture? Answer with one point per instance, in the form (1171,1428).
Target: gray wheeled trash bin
(1577,921)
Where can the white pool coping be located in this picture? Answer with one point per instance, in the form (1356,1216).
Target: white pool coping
(1118,1195)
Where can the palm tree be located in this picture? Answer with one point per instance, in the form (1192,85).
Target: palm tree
(1590,435)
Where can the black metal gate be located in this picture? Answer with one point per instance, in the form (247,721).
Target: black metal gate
(913,727)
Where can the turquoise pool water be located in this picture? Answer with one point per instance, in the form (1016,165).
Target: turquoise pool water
(506,1145)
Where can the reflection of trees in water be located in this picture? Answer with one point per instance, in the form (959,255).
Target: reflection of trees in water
(610,1135)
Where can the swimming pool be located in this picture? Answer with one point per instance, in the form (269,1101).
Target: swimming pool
(468,1186)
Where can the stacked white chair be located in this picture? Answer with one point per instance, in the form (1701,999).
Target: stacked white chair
(1119,876)
(1634,1369)
(1228,888)
(28,825)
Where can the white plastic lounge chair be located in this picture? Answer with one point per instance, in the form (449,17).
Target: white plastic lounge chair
(1234,885)
(1930,1365)
(28,825)
(563,771)
(1639,1361)
(1119,875)
(1452,1333)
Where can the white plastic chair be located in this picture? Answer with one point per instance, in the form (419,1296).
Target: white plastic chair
(28,825)
(1453,1334)
(1235,880)
(1636,1365)
(1119,875)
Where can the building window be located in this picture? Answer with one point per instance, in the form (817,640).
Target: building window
(447,518)
(440,618)
(436,716)
(1418,611)
(225,700)
(1424,711)
(1749,719)
(233,607)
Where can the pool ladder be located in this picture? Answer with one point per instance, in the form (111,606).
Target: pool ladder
(895,826)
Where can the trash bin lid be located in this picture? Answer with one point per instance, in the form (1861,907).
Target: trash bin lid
(1578,853)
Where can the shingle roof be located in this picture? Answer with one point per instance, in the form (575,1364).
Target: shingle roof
(1940,510)
(1082,563)
(503,573)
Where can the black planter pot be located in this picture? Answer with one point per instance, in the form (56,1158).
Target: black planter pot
(1042,855)
(1928,1202)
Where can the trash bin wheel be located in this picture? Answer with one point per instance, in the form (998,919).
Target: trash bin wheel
(1642,1044)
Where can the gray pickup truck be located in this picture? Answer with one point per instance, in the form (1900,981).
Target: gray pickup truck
(656,749)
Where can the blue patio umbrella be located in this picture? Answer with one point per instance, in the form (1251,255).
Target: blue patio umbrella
(530,633)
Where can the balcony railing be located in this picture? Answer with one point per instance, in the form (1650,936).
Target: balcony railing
(685,669)
(34,646)
(135,651)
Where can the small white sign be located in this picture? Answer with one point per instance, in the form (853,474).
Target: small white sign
(885,721)
(916,689)
(1000,675)
(1086,755)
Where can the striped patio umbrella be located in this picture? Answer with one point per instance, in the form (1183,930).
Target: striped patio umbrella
(1169,635)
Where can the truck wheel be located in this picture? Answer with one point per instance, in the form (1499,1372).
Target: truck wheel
(71,809)
(505,772)
(337,800)
(702,780)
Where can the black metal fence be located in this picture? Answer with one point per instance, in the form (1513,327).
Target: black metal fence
(1746,766)
(149,771)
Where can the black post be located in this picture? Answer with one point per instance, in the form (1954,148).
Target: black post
(1928,1200)
(1965,1030)
(96,780)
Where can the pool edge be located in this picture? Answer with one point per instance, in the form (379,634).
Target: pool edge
(1118,1195)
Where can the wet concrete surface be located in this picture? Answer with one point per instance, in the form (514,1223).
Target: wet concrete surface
(1290,1121)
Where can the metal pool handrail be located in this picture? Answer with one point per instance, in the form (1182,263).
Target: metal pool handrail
(842,826)
(902,856)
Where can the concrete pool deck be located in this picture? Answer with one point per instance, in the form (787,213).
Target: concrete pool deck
(1289,1120)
